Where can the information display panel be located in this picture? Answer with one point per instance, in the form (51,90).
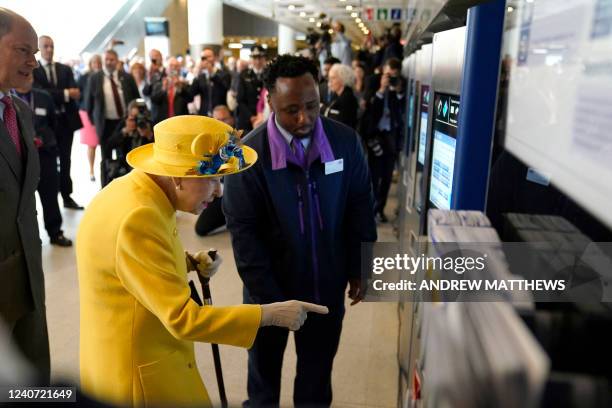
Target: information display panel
(444,129)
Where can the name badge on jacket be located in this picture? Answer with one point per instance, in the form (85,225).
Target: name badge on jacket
(40,112)
(334,166)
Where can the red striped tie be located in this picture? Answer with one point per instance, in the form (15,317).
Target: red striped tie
(10,121)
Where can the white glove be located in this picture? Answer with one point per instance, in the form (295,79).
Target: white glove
(290,315)
(204,264)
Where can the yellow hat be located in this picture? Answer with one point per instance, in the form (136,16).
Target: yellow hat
(193,146)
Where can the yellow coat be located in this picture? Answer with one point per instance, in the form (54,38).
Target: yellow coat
(138,322)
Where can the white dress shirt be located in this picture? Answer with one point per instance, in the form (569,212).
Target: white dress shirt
(49,66)
(110,111)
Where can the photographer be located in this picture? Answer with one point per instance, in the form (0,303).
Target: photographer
(382,128)
(133,131)
(171,94)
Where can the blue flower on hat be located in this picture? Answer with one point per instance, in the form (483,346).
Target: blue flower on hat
(226,152)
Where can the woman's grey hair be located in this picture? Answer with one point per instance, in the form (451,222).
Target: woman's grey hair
(345,73)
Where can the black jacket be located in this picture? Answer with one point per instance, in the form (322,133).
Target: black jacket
(65,80)
(45,120)
(343,108)
(159,102)
(95,96)
(375,109)
(212,92)
(249,89)
(152,80)
(123,144)
(275,253)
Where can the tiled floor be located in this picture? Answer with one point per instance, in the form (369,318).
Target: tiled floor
(365,370)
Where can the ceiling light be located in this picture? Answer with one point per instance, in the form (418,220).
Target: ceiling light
(319,24)
(330,31)
(354,14)
(291,7)
(358,20)
(311,19)
(342,1)
(302,14)
(361,25)
(349,7)
(235,46)
(510,9)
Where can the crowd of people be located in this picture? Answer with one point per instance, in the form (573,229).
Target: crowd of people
(300,198)
(363,90)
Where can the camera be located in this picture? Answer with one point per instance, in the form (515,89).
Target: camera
(394,80)
(143,119)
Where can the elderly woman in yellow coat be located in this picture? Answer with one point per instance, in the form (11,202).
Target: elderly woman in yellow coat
(138,321)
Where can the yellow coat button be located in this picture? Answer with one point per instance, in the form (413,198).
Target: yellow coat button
(175,232)
(189,365)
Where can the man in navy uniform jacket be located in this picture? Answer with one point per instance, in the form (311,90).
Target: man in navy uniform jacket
(297,221)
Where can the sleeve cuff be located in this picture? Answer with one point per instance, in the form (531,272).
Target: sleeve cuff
(66,96)
(380,95)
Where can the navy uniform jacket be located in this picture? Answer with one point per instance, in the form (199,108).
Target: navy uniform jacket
(297,234)
(249,89)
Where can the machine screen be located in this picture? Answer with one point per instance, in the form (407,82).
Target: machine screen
(446,113)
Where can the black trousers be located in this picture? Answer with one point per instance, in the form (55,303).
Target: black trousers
(64,145)
(105,150)
(48,187)
(211,218)
(316,344)
(381,169)
(29,334)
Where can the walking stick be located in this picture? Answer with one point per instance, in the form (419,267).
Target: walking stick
(208,301)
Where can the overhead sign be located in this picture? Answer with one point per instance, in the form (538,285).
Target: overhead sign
(396,14)
(382,14)
(388,14)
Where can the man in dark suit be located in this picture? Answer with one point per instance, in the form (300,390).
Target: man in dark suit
(382,128)
(58,80)
(212,84)
(297,220)
(109,93)
(41,104)
(156,73)
(249,88)
(22,289)
(170,95)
